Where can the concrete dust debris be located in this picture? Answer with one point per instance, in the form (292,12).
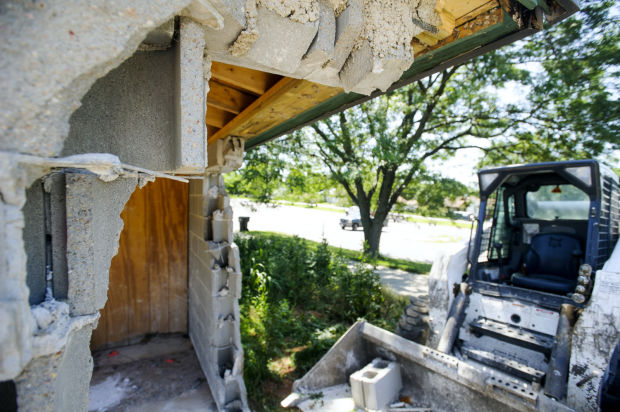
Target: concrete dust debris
(108,393)
(160,375)
(332,399)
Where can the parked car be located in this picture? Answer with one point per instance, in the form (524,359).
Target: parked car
(352,219)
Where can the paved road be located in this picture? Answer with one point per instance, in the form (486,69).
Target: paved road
(405,240)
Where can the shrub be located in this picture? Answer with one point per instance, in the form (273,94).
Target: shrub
(298,299)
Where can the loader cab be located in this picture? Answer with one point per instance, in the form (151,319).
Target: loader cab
(539,226)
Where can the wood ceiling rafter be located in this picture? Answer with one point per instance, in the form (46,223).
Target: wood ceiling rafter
(231,90)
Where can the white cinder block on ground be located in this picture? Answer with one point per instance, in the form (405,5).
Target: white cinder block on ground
(376,385)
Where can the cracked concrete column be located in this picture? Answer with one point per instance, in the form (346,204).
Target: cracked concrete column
(94,225)
(16,325)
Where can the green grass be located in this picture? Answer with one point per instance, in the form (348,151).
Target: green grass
(393,263)
(436,221)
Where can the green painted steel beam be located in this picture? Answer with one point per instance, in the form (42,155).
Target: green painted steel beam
(532,4)
(433,61)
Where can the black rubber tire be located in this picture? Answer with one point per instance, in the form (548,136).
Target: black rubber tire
(413,324)
(342,226)
(354,226)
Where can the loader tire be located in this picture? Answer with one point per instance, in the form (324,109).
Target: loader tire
(413,324)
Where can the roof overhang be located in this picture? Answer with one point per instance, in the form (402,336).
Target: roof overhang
(236,106)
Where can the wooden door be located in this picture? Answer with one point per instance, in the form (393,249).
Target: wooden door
(148,277)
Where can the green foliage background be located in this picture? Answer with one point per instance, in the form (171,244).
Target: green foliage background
(297,300)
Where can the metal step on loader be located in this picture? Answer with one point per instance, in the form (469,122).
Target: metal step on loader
(525,318)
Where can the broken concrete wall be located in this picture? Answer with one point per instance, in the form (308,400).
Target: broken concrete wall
(58,375)
(42,89)
(150,110)
(58,381)
(94,225)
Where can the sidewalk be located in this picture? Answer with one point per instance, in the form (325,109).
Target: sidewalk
(403,283)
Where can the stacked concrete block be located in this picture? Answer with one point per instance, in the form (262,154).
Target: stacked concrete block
(282,42)
(376,385)
(349,25)
(383,51)
(321,51)
(214,291)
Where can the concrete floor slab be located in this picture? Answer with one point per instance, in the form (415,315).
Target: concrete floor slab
(161,374)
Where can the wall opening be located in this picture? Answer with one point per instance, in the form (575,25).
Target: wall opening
(147,292)
(36,239)
(140,347)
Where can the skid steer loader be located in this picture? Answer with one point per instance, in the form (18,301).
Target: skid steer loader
(526,317)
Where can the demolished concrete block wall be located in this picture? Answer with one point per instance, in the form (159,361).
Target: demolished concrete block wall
(214,290)
(360,45)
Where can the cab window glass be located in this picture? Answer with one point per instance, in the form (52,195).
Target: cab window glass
(551,202)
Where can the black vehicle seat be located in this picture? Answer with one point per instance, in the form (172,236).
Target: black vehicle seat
(551,264)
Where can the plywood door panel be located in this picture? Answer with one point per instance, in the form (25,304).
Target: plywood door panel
(148,277)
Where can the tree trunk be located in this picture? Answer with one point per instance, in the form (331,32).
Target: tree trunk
(372,238)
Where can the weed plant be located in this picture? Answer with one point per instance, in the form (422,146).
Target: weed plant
(298,299)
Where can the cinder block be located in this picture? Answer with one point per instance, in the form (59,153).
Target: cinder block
(321,50)
(348,29)
(376,385)
(281,42)
(222,225)
(361,77)
(217,41)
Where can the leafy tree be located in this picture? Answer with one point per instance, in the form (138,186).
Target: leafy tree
(571,108)
(262,174)
(375,150)
(568,109)
(432,191)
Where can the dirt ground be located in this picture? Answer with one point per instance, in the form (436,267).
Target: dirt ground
(161,373)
